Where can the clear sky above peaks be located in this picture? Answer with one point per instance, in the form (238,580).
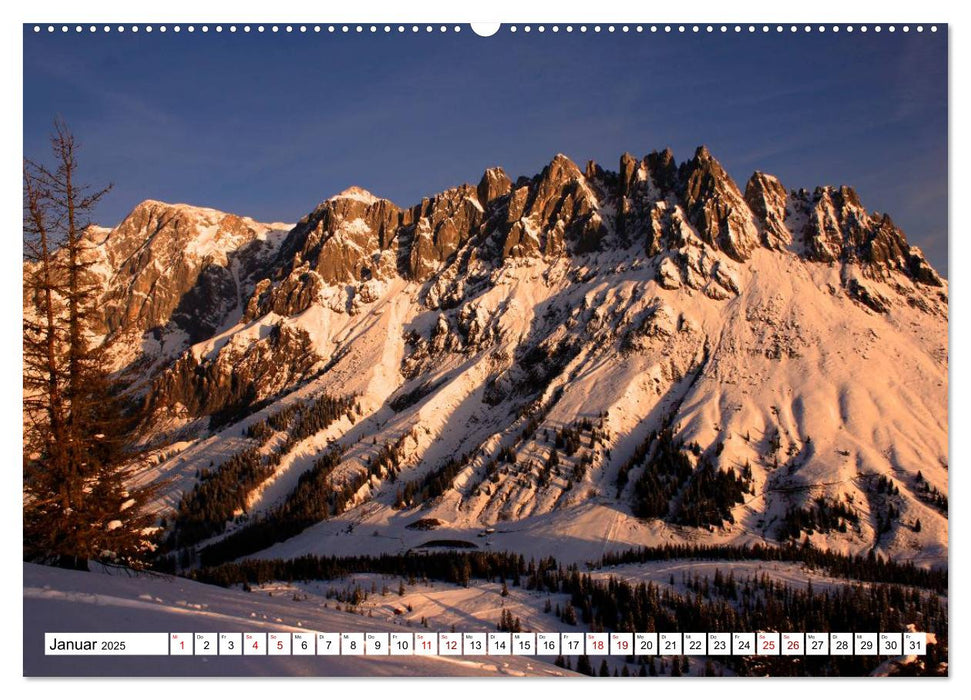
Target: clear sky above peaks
(268,125)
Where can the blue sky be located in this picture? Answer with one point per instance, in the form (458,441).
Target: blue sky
(267,125)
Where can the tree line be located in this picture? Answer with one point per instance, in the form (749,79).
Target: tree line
(546,573)
(869,567)
(607,603)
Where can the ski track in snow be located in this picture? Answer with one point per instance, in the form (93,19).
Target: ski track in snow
(56,600)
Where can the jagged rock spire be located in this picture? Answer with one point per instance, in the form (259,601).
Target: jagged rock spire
(716,207)
(767,199)
(494,183)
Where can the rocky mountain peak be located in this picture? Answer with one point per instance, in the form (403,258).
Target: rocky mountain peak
(716,207)
(556,206)
(629,166)
(440,225)
(339,238)
(702,154)
(839,229)
(663,169)
(494,184)
(837,224)
(560,170)
(767,199)
(171,262)
(356,193)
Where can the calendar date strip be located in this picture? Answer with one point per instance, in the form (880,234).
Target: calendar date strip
(889,644)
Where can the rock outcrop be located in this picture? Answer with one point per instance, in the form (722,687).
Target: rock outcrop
(716,207)
(767,199)
(169,262)
(235,379)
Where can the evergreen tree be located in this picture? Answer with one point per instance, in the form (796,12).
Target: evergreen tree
(569,614)
(584,666)
(77,462)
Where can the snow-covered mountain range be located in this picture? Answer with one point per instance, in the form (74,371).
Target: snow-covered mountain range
(569,363)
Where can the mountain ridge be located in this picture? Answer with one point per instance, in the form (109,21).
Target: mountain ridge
(712,200)
(704,360)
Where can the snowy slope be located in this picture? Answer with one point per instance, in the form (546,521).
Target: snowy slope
(56,600)
(792,337)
